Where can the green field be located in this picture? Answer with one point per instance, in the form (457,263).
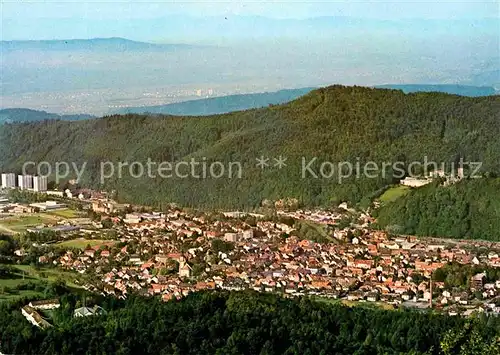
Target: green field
(27,273)
(19,224)
(64,213)
(16,280)
(82,243)
(49,274)
(18,294)
(393,193)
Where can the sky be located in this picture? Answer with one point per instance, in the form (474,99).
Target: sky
(34,19)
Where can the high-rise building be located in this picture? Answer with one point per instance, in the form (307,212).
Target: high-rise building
(40,183)
(8,181)
(25,182)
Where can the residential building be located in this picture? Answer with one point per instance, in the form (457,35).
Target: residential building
(40,183)
(415,182)
(87,311)
(25,182)
(477,281)
(8,181)
(184,270)
(45,304)
(34,317)
(48,205)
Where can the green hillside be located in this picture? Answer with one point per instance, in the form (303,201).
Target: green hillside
(469,209)
(334,124)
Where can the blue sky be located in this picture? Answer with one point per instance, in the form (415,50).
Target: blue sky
(37,19)
(139,9)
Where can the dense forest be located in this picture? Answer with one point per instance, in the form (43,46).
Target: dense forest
(245,323)
(469,209)
(332,125)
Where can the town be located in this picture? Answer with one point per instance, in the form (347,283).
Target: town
(333,255)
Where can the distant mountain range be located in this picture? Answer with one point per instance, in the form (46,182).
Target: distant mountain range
(114,44)
(10,115)
(223,104)
(203,28)
(463,90)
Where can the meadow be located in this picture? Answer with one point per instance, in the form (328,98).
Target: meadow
(64,213)
(393,193)
(82,243)
(25,274)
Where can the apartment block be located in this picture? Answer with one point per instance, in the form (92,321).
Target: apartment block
(25,182)
(40,183)
(8,181)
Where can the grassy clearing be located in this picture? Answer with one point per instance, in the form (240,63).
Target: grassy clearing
(82,243)
(49,274)
(27,273)
(393,193)
(19,294)
(16,280)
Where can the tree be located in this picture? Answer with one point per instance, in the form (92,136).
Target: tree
(219,245)
(107,223)
(6,247)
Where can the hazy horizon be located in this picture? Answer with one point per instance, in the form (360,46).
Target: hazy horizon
(248,46)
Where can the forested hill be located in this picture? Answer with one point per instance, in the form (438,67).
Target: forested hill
(334,124)
(469,209)
(10,115)
(246,323)
(463,90)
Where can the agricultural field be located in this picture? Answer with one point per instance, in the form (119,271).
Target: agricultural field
(393,193)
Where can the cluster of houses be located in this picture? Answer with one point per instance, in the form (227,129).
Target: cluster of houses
(172,254)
